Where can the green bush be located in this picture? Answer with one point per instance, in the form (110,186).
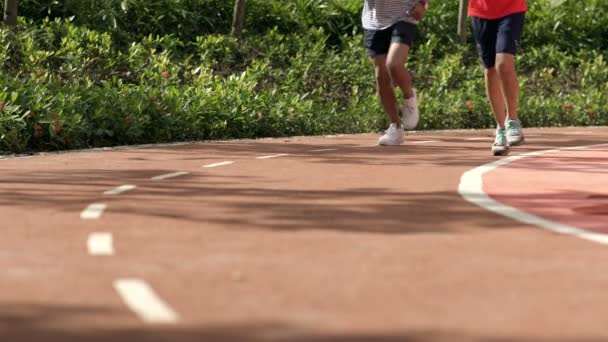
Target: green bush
(67,87)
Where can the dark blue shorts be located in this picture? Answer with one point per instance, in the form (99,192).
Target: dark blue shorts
(494,36)
(378,42)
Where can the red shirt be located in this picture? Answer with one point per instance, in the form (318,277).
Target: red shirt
(494,9)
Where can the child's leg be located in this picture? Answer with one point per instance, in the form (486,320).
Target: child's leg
(385,89)
(509,32)
(505,68)
(401,42)
(485,32)
(495,95)
(377,44)
(507,44)
(397,57)
(402,39)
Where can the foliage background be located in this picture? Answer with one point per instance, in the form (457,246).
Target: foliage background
(82,73)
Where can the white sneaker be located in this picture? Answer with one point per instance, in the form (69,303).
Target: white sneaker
(392,137)
(409,113)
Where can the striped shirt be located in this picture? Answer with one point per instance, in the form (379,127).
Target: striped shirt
(382,14)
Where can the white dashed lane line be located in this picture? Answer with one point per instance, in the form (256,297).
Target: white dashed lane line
(324,150)
(93,211)
(144,302)
(424,142)
(219,164)
(121,189)
(100,244)
(273,156)
(169,176)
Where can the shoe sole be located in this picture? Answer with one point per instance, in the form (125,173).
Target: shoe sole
(517,142)
(409,127)
(501,152)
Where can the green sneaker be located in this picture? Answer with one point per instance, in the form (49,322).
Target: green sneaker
(515,135)
(500,146)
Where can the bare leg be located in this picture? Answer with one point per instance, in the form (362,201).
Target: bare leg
(397,57)
(495,95)
(386,93)
(505,66)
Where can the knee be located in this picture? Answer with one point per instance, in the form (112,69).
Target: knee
(504,65)
(490,72)
(382,76)
(394,68)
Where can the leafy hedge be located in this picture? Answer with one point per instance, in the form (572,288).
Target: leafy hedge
(301,69)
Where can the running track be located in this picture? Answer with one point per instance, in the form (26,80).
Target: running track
(309,239)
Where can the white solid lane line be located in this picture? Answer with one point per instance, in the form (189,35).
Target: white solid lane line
(169,175)
(93,211)
(100,244)
(144,302)
(273,156)
(471,189)
(219,164)
(477,139)
(121,189)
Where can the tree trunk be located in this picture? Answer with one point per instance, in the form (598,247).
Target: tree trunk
(238,21)
(10,12)
(462,20)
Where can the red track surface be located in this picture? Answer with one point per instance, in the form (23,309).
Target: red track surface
(569,187)
(359,243)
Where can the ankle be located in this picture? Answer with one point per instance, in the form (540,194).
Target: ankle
(409,95)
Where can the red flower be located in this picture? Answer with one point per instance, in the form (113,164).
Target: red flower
(568,106)
(38,132)
(57,127)
(39,72)
(166,74)
(470,104)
